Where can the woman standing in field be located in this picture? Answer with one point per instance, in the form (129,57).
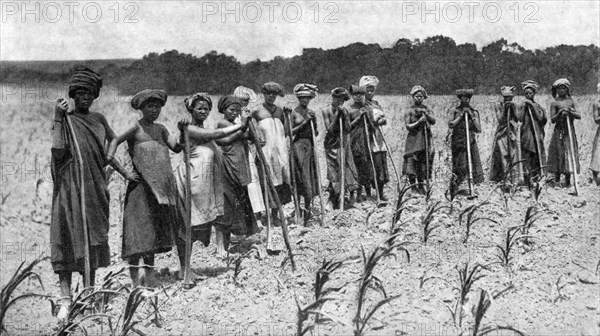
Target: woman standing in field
(151,198)
(460,168)
(533,117)
(595,163)
(331,117)
(205,168)
(76,151)
(358,139)
(270,122)
(504,151)
(559,153)
(247,96)
(303,119)
(378,146)
(238,217)
(419,142)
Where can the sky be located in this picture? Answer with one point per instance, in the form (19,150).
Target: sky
(249,30)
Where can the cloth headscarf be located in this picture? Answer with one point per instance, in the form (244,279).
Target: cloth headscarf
(305,90)
(226,101)
(529,84)
(85,78)
(191,100)
(272,87)
(340,92)
(464,93)
(508,91)
(418,88)
(354,89)
(142,97)
(368,81)
(559,82)
(243,92)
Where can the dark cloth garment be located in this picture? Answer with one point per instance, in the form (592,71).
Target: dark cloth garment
(595,161)
(418,140)
(146,223)
(237,216)
(532,138)
(333,157)
(460,166)
(359,145)
(558,152)
(306,171)
(66,227)
(304,159)
(504,151)
(381,170)
(85,78)
(415,140)
(415,164)
(150,211)
(200,233)
(143,96)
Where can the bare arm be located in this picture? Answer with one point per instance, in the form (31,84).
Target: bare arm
(474,114)
(231,138)
(596,113)
(116,141)
(554,113)
(112,148)
(455,118)
(574,113)
(171,141)
(430,116)
(407,116)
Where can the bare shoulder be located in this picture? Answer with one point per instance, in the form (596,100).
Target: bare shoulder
(223,123)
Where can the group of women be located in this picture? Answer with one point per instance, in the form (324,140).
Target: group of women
(257,158)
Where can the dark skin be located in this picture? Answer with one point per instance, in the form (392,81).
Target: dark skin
(83,99)
(562,107)
(537,113)
(423,112)
(137,133)
(460,115)
(229,115)
(300,121)
(331,117)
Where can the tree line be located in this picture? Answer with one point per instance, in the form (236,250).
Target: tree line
(437,63)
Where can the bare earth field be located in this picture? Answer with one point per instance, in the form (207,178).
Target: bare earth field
(553,281)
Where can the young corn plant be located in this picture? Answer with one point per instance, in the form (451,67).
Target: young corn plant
(427,219)
(468,215)
(122,325)
(451,194)
(532,215)
(7,298)
(322,276)
(479,311)
(507,186)
(466,278)
(401,203)
(368,280)
(510,241)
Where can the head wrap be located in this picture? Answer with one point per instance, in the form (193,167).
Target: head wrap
(508,91)
(465,93)
(418,88)
(529,84)
(354,89)
(559,82)
(226,101)
(272,87)
(85,78)
(190,101)
(243,92)
(142,97)
(368,81)
(340,92)
(305,90)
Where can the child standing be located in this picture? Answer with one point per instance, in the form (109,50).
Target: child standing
(460,168)
(150,201)
(418,119)
(559,153)
(533,117)
(504,151)
(238,217)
